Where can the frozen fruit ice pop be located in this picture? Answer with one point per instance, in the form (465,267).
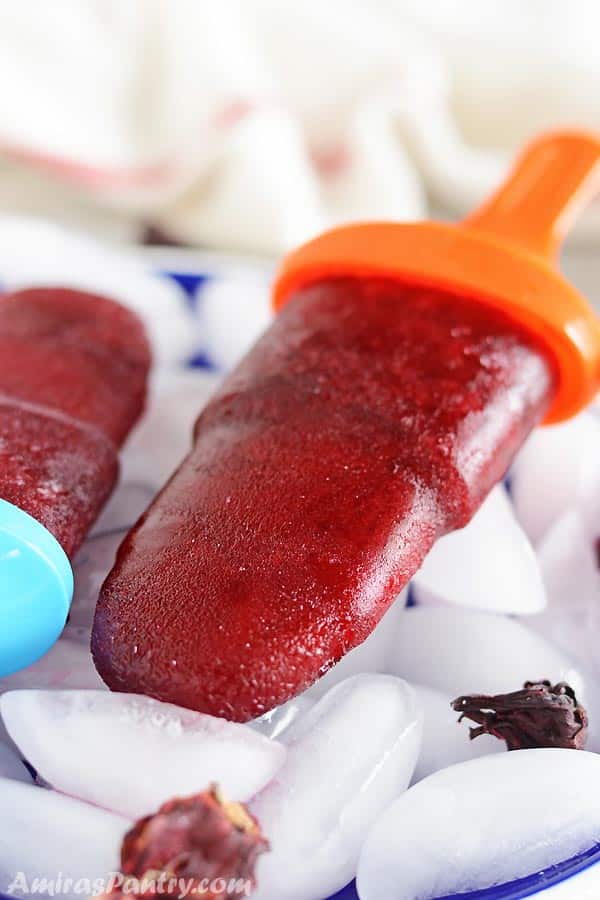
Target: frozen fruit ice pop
(347,440)
(73,370)
(375,414)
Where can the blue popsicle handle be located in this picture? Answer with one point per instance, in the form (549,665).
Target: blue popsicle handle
(36,589)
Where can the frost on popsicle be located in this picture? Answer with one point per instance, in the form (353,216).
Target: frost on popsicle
(130,754)
(489,564)
(483,822)
(73,370)
(539,715)
(44,833)
(348,757)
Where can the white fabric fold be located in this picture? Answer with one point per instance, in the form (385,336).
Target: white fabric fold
(252,125)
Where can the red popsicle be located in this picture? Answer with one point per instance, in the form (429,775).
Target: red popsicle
(375,414)
(73,370)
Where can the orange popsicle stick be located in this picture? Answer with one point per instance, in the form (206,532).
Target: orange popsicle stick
(502,254)
(555,177)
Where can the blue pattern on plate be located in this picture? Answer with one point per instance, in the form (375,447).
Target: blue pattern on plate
(514,890)
(190,283)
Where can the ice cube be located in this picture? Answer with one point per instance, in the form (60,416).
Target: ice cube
(446,740)
(370,656)
(490,564)
(348,757)
(11,766)
(274,723)
(570,572)
(129,753)
(242,298)
(47,835)
(483,822)
(556,469)
(68,664)
(461,651)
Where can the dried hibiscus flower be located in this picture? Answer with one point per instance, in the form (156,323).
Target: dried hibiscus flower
(540,715)
(198,846)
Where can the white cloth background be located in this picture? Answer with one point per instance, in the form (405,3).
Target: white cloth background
(252,124)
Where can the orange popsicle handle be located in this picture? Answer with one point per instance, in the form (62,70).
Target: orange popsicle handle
(501,255)
(552,181)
